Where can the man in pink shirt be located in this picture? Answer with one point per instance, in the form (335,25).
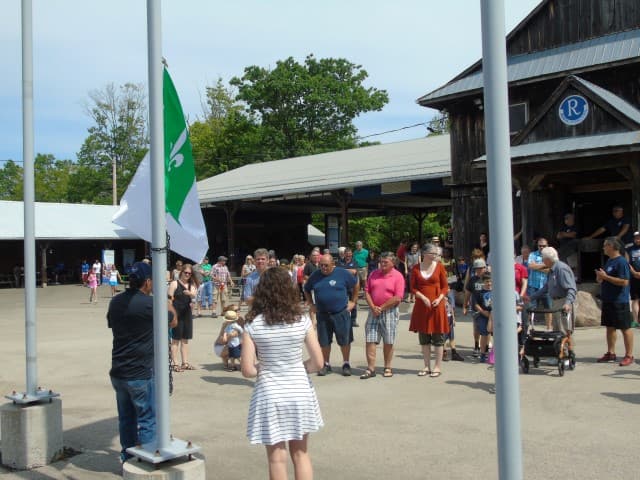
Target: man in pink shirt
(384,291)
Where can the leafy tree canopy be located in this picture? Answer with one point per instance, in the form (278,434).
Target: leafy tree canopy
(382,233)
(308,108)
(51,181)
(118,134)
(227,137)
(439,124)
(11,175)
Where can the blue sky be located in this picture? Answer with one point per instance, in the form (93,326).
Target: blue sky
(409,48)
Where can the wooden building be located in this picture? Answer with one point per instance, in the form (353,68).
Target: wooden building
(574,105)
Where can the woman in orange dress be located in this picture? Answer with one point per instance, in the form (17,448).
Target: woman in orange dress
(429,316)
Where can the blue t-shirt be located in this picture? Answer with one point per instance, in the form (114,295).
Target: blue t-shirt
(484,298)
(615,267)
(537,279)
(331,291)
(250,283)
(614,225)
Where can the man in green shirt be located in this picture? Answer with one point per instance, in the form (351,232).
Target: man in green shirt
(206,299)
(361,257)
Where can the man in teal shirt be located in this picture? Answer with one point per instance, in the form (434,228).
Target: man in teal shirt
(361,257)
(206,300)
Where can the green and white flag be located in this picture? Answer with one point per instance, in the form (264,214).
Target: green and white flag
(187,232)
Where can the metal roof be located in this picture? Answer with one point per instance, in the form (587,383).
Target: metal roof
(425,158)
(615,101)
(573,57)
(575,145)
(62,221)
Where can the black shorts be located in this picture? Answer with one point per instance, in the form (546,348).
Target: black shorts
(615,315)
(235,352)
(339,324)
(184,329)
(634,288)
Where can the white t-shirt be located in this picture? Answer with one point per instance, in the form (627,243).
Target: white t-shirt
(233,341)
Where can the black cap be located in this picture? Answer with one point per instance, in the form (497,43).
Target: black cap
(141,270)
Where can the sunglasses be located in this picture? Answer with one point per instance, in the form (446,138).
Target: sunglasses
(187,273)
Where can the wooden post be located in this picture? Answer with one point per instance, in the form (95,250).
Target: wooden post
(634,166)
(420,219)
(342,198)
(527,184)
(43,264)
(230,210)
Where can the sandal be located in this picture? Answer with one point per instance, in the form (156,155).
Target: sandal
(368,374)
(424,372)
(188,366)
(435,374)
(388,373)
(176,368)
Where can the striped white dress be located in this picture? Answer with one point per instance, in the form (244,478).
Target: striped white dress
(284,404)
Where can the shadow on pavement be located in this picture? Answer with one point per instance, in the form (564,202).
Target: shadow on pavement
(484,386)
(230,380)
(98,455)
(625,397)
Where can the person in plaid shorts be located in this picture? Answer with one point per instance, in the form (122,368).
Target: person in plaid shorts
(384,291)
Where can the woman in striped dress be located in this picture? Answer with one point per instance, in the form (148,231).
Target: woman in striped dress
(284,408)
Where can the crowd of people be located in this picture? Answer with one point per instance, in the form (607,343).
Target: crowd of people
(309,301)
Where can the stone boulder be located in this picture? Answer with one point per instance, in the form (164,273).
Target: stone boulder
(586,310)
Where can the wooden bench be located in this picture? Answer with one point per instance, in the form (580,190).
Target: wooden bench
(235,290)
(7,279)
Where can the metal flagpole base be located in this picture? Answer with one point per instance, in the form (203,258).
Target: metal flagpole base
(177,448)
(42,395)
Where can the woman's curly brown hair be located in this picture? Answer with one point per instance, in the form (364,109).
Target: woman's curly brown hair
(275,298)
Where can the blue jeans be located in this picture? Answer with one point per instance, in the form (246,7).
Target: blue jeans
(136,412)
(207,295)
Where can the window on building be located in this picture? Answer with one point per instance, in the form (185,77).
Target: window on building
(518,117)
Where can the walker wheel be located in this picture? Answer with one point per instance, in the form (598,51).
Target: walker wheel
(572,360)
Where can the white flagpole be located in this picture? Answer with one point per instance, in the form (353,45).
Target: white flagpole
(496,108)
(158,225)
(166,447)
(29,195)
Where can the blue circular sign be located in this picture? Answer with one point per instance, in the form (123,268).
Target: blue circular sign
(573,110)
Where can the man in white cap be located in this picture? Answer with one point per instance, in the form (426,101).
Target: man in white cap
(223,281)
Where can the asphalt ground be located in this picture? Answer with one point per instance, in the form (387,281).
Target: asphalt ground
(583,425)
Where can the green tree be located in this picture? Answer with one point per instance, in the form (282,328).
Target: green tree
(118,134)
(227,137)
(52,178)
(50,183)
(385,232)
(11,176)
(439,124)
(308,108)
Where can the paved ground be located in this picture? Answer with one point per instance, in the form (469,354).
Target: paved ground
(583,425)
